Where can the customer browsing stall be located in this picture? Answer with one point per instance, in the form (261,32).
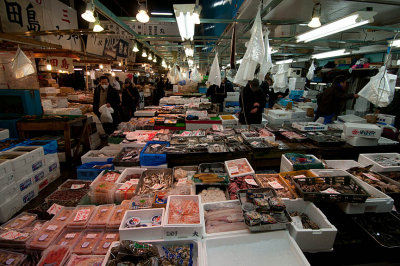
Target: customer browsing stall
(252,102)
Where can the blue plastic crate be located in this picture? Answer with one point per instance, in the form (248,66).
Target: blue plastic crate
(49,146)
(296,94)
(202,89)
(149,159)
(284,101)
(87,172)
(11,146)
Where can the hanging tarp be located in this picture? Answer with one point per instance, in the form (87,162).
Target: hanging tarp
(215,73)
(233,47)
(266,64)
(281,78)
(254,54)
(310,73)
(174,75)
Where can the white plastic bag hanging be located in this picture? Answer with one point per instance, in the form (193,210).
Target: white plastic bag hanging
(195,77)
(106,112)
(266,64)
(254,53)
(215,73)
(173,75)
(380,89)
(310,73)
(21,65)
(281,78)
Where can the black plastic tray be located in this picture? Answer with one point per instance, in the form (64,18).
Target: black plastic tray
(118,159)
(326,141)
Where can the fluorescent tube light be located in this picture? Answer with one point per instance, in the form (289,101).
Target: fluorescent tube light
(161,13)
(186,19)
(329,54)
(287,61)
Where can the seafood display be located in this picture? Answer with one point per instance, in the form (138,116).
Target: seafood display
(153,180)
(156,148)
(85,260)
(241,182)
(20,222)
(87,242)
(68,238)
(183,211)
(305,220)
(223,218)
(11,258)
(275,182)
(81,216)
(75,185)
(375,180)
(217,148)
(392,175)
(105,242)
(101,216)
(128,156)
(212,194)
(116,216)
(68,198)
(108,176)
(239,167)
(56,255)
(387,161)
(290,135)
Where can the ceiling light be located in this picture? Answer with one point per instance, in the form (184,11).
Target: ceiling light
(150,57)
(88,73)
(97,27)
(144,54)
(348,22)
(48,66)
(88,15)
(142,15)
(329,54)
(162,13)
(287,61)
(112,74)
(101,66)
(77,69)
(189,51)
(119,64)
(117,70)
(155,59)
(185,20)
(395,43)
(135,49)
(316,13)
(163,63)
(196,14)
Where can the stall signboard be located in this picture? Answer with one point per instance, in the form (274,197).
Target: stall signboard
(62,64)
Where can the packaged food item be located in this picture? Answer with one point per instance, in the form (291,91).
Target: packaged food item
(87,242)
(105,242)
(68,238)
(11,258)
(55,255)
(117,215)
(81,216)
(85,260)
(42,239)
(102,192)
(35,226)
(21,221)
(101,216)
(109,176)
(126,190)
(183,211)
(142,201)
(68,198)
(64,215)
(239,167)
(10,238)
(224,219)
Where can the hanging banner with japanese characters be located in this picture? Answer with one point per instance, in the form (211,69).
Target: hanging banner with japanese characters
(62,63)
(95,44)
(21,15)
(122,49)
(150,28)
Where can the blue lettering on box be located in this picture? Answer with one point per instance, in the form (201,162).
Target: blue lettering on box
(28,197)
(39,176)
(52,167)
(25,184)
(37,165)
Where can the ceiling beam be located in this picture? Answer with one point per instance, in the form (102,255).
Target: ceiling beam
(29,41)
(268,8)
(61,32)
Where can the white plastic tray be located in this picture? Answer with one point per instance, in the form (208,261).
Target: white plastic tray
(272,248)
(231,171)
(130,171)
(342,164)
(368,159)
(91,156)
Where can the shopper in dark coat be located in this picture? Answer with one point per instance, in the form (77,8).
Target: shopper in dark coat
(217,95)
(252,102)
(106,94)
(227,85)
(159,92)
(332,100)
(130,99)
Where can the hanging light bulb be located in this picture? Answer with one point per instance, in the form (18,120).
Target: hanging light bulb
(112,74)
(155,59)
(88,73)
(142,15)
(135,48)
(48,65)
(316,13)
(97,27)
(144,54)
(163,63)
(196,14)
(101,66)
(88,15)
(120,64)
(150,57)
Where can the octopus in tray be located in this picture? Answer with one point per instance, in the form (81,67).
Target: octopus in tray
(373,179)
(237,184)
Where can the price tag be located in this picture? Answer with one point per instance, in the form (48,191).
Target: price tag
(134,181)
(110,236)
(77,186)
(275,185)
(82,215)
(85,244)
(182,182)
(106,244)
(14,224)
(330,191)
(251,181)
(10,235)
(52,227)
(54,209)
(157,186)
(171,234)
(234,170)
(125,186)
(371,177)
(91,235)
(25,218)
(69,236)
(111,177)
(43,237)
(37,227)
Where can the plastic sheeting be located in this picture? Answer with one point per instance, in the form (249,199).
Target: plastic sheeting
(254,54)
(215,74)
(106,112)
(281,78)
(380,89)
(196,77)
(310,73)
(266,64)
(21,65)
(174,75)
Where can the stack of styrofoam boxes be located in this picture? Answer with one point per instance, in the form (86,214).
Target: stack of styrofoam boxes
(351,119)
(299,115)
(4,133)
(278,117)
(287,166)
(25,164)
(386,119)
(231,103)
(361,134)
(311,240)
(52,168)
(369,159)
(378,202)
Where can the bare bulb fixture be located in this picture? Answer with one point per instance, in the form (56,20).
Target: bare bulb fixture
(97,26)
(48,66)
(88,15)
(144,54)
(316,13)
(135,48)
(101,66)
(142,15)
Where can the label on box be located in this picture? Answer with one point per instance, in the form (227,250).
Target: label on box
(82,215)
(330,191)
(77,186)
(157,186)
(37,165)
(10,235)
(39,176)
(110,236)
(91,235)
(275,185)
(106,244)
(111,177)
(28,197)
(54,209)
(43,237)
(181,182)
(299,176)
(371,177)
(25,184)
(234,170)
(251,181)
(10,261)
(71,235)
(52,227)
(134,181)
(52,167)
(126,186)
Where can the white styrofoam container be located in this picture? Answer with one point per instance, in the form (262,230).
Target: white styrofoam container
(4,134)
(35,152)
(28,169)
(9,207)
(6,167)
(92,156)
(287,166)
(297,114)
(9,191)
(21,161)
(231,171)
(362,130)
(232,96)
(272,248)
(50,158)
(385,141)
(387,119)
(342,164)
(176,231)
(39,175)
(112,147)
(305,126)
(234,121)
(368,159)
(161,166)
(27,195)
(360,141)
(280,114)
(130,171)
(222,204)
(6,180)
(142,233)
(311,240)
(380,202)
(351,119)
(276,121)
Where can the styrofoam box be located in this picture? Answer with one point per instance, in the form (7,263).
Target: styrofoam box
(9,191)
(233,121)
(176,231)
(6,168)
(379,202)
(27,195)
(342,164)
(35,152)
(385,141)
(388,119)
(91,156)
(362,130)
(360,141)
(130,171)
(6,180)
(21,161)
(298,114)
(142,233)
(280,114)
(229,170)
(161,166)
(368,159)
(4,134)
(276,121)
(351,119)
(25,183)
(287,166)
(309,126)
(28,169)
(310,240)
(222,204)
(272,248)
(112,147)
(9,207)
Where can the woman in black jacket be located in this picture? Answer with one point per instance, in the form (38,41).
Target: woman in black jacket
(130,99)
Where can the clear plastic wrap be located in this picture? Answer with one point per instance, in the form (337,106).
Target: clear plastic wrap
(81,216)
(266,64)
(68,238)
(105,242)
(21,221)
(101,216)
(215,73)
(87,242)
